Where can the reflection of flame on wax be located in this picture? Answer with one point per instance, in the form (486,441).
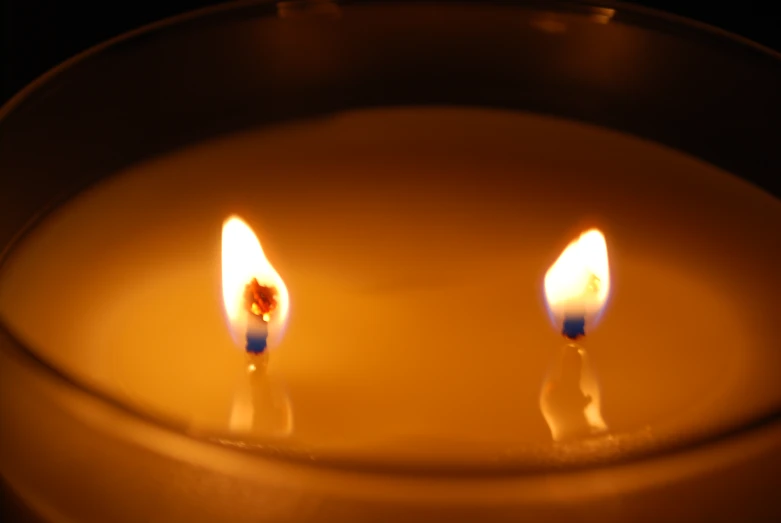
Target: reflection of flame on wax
(248,275)
(576,290)
(570,401)
(261,406)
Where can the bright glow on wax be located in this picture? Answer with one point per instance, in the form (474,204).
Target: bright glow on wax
(578,283)
(242,260)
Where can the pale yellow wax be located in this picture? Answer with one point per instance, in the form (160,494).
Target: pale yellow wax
(413,243)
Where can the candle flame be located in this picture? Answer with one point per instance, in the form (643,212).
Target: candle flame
(577,285)
(250,284)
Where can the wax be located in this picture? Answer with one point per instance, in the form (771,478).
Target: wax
(413,243)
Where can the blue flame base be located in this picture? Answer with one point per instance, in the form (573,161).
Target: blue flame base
(574,327)
(256,344)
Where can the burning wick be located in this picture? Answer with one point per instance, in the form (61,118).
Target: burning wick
(261,302)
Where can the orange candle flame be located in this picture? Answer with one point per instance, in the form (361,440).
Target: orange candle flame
(577,285)
(250,284)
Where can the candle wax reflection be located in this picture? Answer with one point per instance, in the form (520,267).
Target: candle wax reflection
(261,404)
(570,399)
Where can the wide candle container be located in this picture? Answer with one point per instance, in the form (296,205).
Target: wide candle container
(493,132)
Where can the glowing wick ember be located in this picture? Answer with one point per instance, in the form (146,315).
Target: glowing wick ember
(261,299)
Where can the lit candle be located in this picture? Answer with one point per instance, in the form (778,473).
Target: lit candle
(419,331)
(577,287)
(414,244)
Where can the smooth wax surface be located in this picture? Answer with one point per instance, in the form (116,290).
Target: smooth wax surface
(413,243)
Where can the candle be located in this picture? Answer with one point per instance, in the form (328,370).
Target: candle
(417,306)
(416,373)
(417,330)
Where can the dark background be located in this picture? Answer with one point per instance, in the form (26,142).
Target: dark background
(39,34)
